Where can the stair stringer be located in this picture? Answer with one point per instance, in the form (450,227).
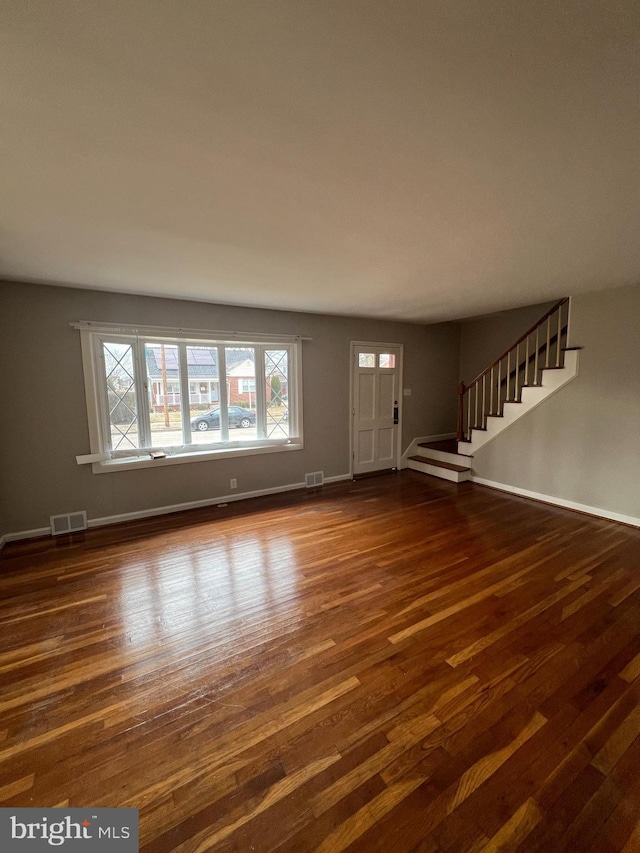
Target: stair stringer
(532,396)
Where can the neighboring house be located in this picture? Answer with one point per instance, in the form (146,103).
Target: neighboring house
(202,366)
(241,383)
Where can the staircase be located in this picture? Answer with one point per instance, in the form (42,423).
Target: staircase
(441,459)
(536,366)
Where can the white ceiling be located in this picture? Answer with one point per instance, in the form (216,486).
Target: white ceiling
(418,160)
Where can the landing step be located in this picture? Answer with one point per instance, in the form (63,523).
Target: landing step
(438,468)
(439,464)
(447,445)
(443,451)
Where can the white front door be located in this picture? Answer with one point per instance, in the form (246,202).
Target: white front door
(376,406)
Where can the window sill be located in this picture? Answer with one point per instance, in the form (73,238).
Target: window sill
(131,463)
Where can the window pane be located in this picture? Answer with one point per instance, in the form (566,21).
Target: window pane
(386,359)
(276,372)
(241,393)
(204,394)
(366,359)
(121,396)
(163,382)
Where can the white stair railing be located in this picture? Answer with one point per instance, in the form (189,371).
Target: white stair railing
(540,348)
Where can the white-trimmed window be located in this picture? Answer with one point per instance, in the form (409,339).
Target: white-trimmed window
(158,398)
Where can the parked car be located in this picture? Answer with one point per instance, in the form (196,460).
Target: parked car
(238,417)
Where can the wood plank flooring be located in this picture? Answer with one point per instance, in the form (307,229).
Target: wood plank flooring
(396,664)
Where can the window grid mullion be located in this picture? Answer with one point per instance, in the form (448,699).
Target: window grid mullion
(261,402)
(105,426)
(141,392)
(222,393)
(185,393)
(294,386)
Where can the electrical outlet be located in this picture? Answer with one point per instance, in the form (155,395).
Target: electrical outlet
(233,483)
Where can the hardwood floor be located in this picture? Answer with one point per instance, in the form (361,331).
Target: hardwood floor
(389,665)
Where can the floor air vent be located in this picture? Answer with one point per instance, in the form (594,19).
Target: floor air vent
(69,523)
(314,479)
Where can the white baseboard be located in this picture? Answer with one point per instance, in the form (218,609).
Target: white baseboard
(166,510)
(182,507)
(411,450)
(550,499)
(338,479)
(24,534)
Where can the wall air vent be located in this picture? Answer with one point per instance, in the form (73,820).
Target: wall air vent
(69,523)
(314,479)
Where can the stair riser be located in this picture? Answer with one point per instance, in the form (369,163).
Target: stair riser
(443,456)
(441,473)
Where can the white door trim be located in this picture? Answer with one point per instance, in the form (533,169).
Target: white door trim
(352,350)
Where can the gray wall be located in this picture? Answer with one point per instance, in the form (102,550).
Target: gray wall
(583,444)
(44,420)
(4,506)
(483,339)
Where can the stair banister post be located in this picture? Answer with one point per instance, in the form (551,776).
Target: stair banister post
(460,427)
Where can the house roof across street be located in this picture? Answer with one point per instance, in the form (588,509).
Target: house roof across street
(202,362)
